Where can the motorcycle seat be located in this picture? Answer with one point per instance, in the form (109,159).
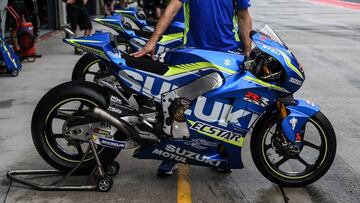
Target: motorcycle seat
(145,64)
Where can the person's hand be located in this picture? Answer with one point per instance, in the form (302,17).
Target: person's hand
(70,1)
(149,48)
(247,53)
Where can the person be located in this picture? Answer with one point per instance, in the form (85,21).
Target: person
(158,5)
(78,16)
(109,7)
(210,25)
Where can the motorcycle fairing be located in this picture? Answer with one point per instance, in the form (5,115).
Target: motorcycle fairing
(132,15)
(98,44)
(282,54)
(167,42)
(188,59)
(174,27)
(113,22)
(180,72)
(183,151)
(154,85)
(299,114)
(225,114)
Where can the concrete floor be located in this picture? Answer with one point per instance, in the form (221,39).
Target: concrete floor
(325,39)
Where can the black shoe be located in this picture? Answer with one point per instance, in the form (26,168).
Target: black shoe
(167,168)
(221,170)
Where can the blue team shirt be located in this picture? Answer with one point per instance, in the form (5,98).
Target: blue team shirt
(211,24)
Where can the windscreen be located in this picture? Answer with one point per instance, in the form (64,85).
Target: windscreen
(266,30)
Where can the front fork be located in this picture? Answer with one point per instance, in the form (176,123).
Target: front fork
(282,114)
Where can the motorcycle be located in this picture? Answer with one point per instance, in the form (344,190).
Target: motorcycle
(130,40)
(147,25)
(195,108)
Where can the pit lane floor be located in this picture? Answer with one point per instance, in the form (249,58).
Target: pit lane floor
(324,38)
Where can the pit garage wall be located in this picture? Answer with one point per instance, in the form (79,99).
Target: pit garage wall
(3,4)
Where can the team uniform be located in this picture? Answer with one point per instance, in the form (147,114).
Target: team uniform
(211,24)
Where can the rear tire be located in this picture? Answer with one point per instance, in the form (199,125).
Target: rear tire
(43,134)
(82,67)
(271,171)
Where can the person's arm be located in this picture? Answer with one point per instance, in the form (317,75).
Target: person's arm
(85,2)
(69,1)
(245,27)
(164,21)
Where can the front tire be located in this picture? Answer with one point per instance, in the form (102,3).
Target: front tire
(283,172)
(52,111)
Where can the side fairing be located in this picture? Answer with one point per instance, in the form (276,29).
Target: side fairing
(113,22)
(226,114)
(186,67)
(153,85)
(183,60)
(97,43)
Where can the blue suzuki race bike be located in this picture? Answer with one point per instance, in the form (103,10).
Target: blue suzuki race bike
(89,66)
(195,108)
(147,25)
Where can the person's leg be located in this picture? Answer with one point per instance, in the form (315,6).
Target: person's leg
(107,8)
(87,32)
(85,22)
(73,17)
(112,7)
(157,8)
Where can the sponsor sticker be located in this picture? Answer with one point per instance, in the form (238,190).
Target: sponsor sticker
(256,99)
(201,143)
(227,62)
(113,109)
(182,155)
(102,132)
(115,100)
(293,122)
(298,137)
(295,81)
(217,133)
(112,143)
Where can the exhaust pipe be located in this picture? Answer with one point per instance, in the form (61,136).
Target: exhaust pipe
(131,132)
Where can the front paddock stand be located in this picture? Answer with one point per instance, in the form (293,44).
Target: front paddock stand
(103,180)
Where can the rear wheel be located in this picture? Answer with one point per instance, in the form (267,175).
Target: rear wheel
(53,111)
(288,167)
(88,67)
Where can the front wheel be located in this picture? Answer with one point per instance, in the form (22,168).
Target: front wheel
(288,167)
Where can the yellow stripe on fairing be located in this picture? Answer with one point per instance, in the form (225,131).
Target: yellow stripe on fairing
(288,63)
(265,84)
(186,20)
(171,37)
(183,68)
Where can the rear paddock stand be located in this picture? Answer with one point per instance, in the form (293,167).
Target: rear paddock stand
(103,179)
